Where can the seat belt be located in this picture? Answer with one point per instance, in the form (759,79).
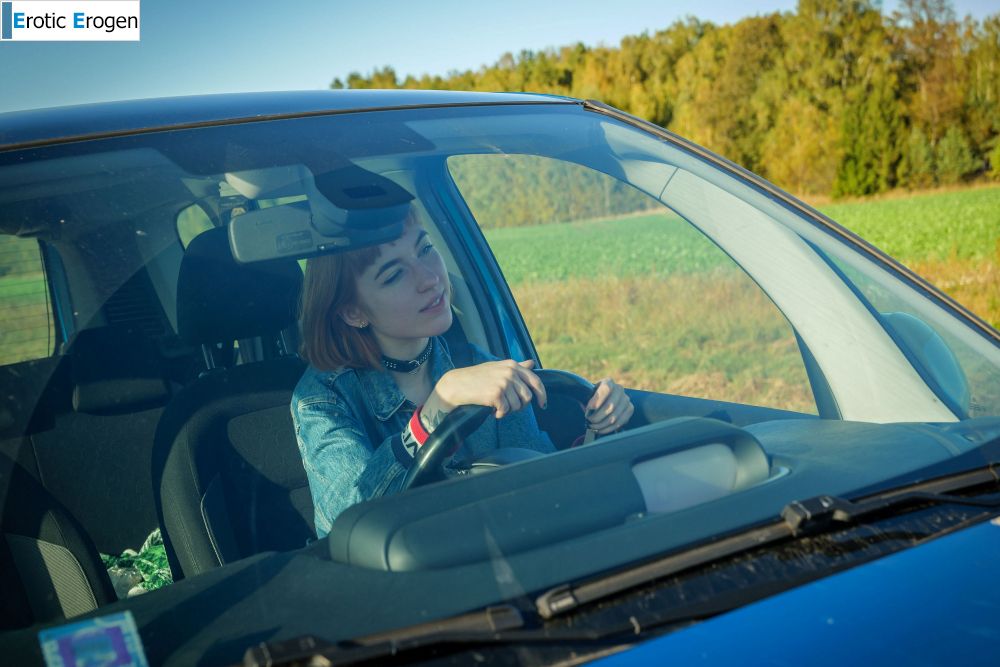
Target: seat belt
(461,354)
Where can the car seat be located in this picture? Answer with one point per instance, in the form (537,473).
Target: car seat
(49,568)
(90,425)
(227,474)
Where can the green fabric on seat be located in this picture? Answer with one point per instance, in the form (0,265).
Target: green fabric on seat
(145,570)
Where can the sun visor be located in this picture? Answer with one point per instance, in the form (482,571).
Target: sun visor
(344,209)
(361,200)
(270,183)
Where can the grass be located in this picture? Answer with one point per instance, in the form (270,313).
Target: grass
(962,225)
(25,325)
(951,238)
(694,324)
(712,335)
(973,283)
(627,246)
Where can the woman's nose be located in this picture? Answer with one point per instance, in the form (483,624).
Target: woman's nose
(428,278)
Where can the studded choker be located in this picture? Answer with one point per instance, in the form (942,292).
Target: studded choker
(409,365)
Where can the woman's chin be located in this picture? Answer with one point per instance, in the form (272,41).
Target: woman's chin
(425,327)
(442,323)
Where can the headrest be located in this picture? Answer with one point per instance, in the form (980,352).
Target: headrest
(220,300)
(116,370)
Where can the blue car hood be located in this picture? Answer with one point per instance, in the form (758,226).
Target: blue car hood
(935,604)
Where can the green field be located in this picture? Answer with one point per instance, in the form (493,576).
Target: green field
(25,325)
(950,238)
(623,247)
(963,224)
(647,300)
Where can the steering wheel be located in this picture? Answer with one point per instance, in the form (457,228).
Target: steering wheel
(428,464)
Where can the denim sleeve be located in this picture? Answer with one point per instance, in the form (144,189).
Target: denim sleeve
(342,465)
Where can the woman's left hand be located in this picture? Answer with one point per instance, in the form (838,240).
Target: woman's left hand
(609,408)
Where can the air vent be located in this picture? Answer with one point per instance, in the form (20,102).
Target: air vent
(135,303)
(130,299)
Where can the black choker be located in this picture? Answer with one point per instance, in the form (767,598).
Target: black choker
(409,366)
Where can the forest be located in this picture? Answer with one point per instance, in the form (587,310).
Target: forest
(835,99)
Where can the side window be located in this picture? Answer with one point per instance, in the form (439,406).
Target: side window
(191,222)
(26,326)
(612,283)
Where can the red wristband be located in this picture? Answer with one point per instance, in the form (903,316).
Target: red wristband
(420,434)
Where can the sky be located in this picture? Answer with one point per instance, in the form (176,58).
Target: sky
(191,47)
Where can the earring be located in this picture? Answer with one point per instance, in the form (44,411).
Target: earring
(363,324)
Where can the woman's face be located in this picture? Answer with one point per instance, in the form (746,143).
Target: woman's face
(404,293)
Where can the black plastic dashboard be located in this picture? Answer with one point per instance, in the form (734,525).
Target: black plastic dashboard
(556,498)
(668,484)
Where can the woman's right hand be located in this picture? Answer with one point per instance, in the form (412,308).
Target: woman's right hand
(505,385)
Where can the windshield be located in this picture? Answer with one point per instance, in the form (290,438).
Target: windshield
(152,287)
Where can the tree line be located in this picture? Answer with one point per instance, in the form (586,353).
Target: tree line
(519,190)
(834,98)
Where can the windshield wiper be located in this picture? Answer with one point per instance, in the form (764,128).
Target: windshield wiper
(496,626)
(810,516)
(477,625)
(822,512)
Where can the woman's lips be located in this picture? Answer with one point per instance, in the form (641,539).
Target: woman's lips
(434,306)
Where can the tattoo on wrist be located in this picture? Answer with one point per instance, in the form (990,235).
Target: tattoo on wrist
(431,418)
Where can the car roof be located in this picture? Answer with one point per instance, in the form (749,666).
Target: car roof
(20,129)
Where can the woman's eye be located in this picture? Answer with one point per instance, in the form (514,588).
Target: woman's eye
(393,278)
(426,249)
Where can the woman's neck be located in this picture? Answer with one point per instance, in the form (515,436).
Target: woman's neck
(401,348)
(415,386)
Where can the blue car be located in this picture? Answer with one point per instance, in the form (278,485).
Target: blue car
(809,476)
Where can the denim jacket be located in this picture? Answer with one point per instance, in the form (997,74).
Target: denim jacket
(346,463)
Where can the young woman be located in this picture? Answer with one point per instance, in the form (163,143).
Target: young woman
(381,379)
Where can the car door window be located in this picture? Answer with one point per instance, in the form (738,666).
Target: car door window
(611,282)
(191,222)
(26,327)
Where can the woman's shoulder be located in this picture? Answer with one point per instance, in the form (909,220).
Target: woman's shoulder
(479,355)
(323,386)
